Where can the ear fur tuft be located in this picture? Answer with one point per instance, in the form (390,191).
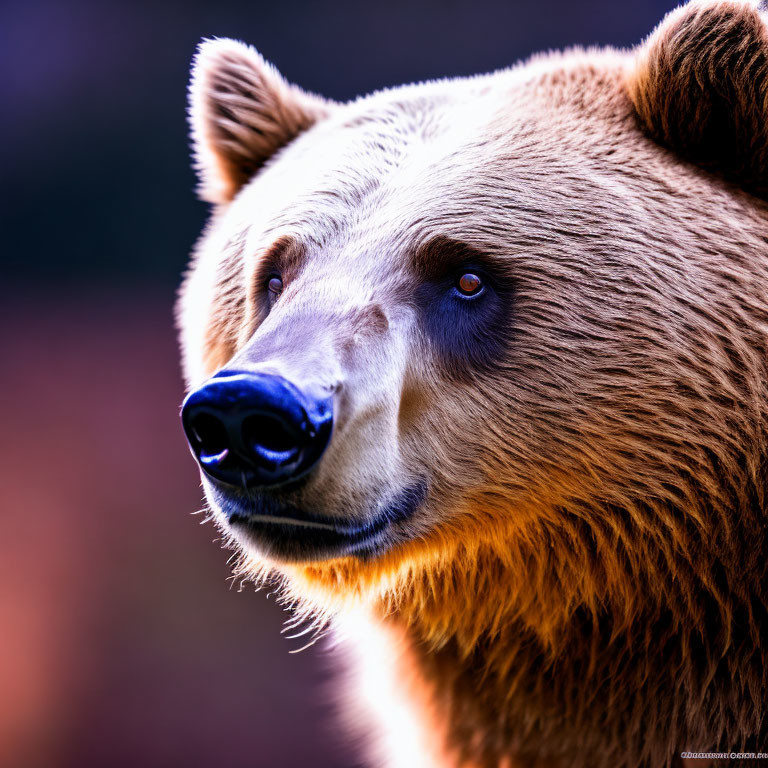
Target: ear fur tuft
(241,111)
(700,86)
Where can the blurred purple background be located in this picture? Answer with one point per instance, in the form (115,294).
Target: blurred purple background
(121,642)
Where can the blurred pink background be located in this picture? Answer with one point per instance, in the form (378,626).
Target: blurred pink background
(122,641)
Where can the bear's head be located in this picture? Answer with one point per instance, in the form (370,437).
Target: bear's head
(511,323)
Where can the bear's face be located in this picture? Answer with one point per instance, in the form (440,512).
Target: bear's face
(412,237)
(503,285)
(360,222)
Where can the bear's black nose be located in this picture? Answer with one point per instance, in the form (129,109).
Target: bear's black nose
(254,429)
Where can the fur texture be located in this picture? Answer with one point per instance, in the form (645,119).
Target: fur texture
(244,112)
(585,583)
(701,87)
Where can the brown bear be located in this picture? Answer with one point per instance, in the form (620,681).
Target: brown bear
(478,369)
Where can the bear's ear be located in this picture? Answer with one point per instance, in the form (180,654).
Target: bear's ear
(700,86)
(241,112)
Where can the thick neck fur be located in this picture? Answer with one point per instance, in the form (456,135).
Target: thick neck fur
(603,657)
(563,636)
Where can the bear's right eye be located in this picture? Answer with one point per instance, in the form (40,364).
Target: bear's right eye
(274,286)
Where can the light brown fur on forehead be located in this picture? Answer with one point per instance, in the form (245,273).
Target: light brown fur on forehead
(516,184)
(515,181)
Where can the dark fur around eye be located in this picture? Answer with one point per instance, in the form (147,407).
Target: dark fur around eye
(467,333)
(276,267)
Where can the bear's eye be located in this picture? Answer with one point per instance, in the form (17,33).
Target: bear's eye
(275,286)
(469,284)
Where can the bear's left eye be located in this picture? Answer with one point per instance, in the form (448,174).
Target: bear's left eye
(469,284)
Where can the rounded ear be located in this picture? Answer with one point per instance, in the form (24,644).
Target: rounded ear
(241,112)
(699,85)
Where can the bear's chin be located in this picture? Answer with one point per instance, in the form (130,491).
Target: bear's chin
(268,527)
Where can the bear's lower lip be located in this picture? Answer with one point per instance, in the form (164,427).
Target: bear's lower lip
(289,534)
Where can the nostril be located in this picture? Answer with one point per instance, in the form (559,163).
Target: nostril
(262,432)
(255,430)
(210,436)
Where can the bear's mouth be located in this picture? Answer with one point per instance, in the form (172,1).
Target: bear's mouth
(289,533)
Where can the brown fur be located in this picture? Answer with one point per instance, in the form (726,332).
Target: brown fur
(701,87)
(247,113)
(586,582)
